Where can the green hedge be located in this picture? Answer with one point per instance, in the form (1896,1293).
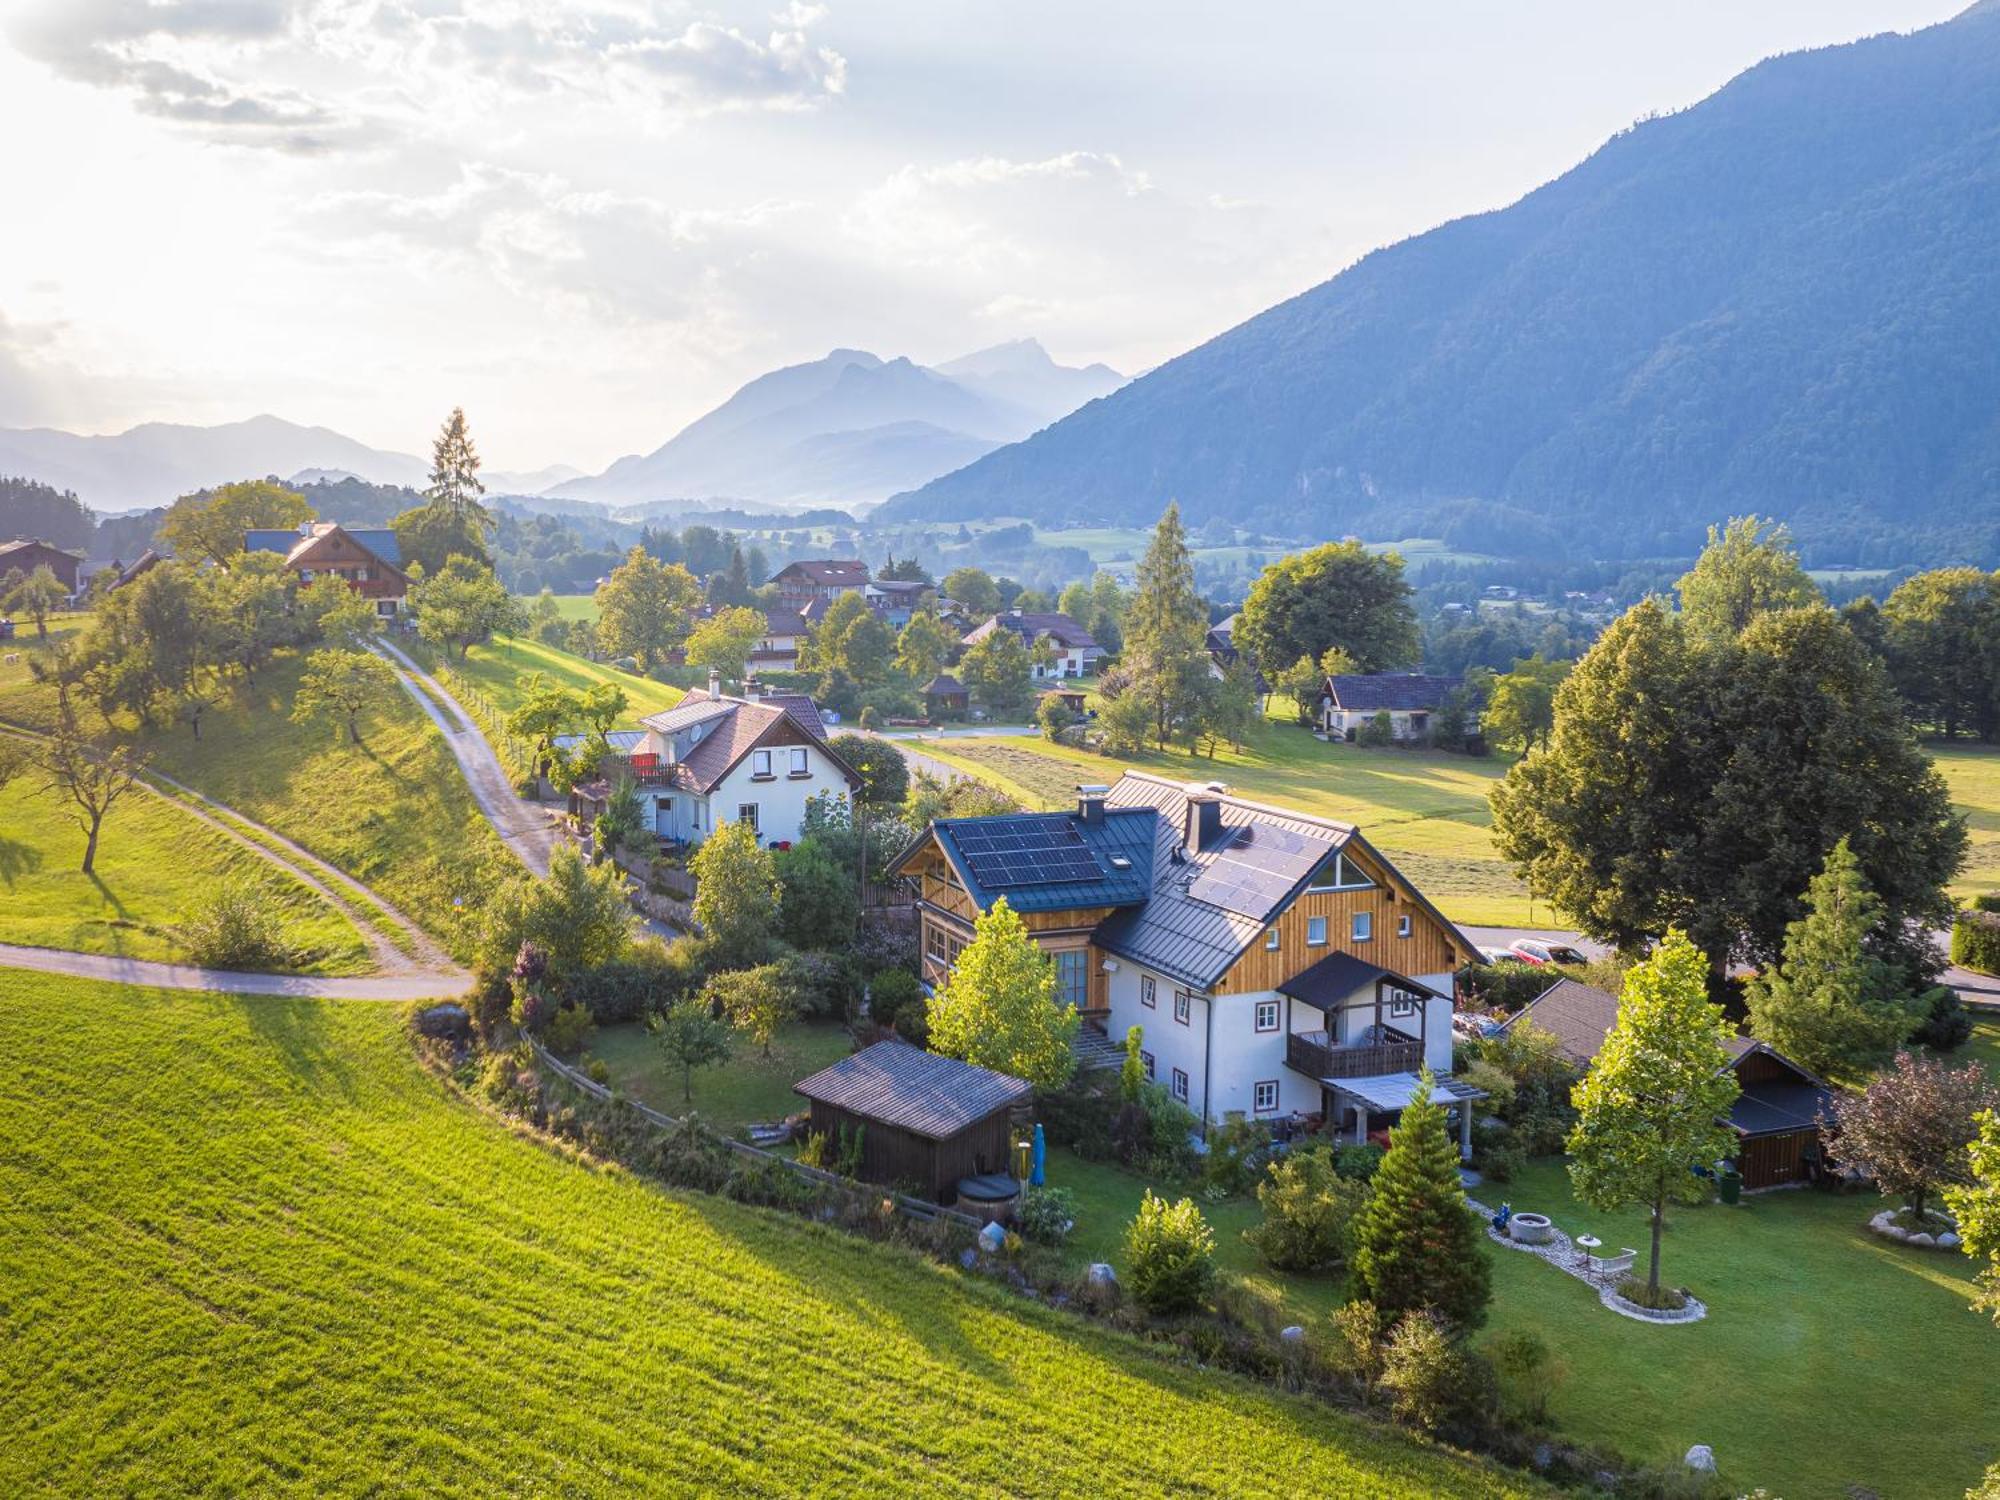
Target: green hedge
(1975,941)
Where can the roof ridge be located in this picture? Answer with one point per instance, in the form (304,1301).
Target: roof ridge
(1181,785)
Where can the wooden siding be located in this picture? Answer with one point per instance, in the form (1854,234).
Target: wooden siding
(1427,950)
(931,1169)
(1772,1160)
(1761,1067)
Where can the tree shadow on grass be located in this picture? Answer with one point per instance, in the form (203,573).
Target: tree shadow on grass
(109,897)
(17,859)
(296,1029)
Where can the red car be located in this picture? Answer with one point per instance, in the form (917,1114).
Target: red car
(1535,951)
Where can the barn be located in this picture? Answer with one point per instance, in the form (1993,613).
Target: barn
(1775,1117)
(925,1121)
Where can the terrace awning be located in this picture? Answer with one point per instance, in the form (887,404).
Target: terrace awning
(1384,1092)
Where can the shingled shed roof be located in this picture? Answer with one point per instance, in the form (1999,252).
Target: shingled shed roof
(893,1083)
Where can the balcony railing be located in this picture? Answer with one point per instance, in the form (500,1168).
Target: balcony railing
(1313,1054)
(614,768)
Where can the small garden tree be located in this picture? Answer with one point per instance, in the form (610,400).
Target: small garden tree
(1417,1244)
(725,640)
(1911,1128)
(462,604)
(37,596)
(1830,1004)
(341,685)
(758,1002)
(689,1037)
(1309,1212)
(1169,1255)
(1976,1206)
(575,918)
(737,895)
(621,822)
(818,906)
(998,1009)
(91,777)
(1650,1109)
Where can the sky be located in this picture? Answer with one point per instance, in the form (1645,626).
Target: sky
(588,221)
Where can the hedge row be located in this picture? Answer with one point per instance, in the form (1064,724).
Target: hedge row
(1975,941)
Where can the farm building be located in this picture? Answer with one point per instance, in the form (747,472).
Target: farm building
(924,1120)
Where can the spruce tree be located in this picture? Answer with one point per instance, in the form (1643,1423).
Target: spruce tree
(1166,628)
(1417,1245)
(1830,1004)
(455,484)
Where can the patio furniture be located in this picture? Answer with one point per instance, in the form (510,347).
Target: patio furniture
(1586,1246)
(1530,1229)
(1607,1266)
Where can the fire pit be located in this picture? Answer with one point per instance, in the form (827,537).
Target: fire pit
(1530,1229)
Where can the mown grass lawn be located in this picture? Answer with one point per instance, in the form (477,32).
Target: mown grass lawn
(568,606)
(252,1248)
(1426,810)
(1830,1359)
(1973,774)
(154,863)
(749,1089)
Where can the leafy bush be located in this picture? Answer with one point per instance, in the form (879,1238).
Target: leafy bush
(820,905)
(599,1071)
(568,1031)
(1945,1026)
(1047,1214)
(1505,986)
(826,985)
(1433,1381)
(644,981)
(1975,941)
(1501,1162)
(1082,1114)
(1238,1151)
(231,927)
(1496,1081)
(813,1150)
(1352,1346)
(882,944)
(1358,1162)
(896,998)
(1309,1212)
(1155,1134)
(1986,901)
(1377,732)
(1169,1255)
(1635,1289)
(1526,1374)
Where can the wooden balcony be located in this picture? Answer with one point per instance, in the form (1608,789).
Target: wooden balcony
(1311,1053)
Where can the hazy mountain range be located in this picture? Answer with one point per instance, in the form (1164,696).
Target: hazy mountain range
(852,428)
(1783,299)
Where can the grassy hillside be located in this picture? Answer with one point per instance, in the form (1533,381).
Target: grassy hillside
(255,1250)
(154,862)
(1426,811)
(394,812)
(572,606)
(1973,774)
(500,668)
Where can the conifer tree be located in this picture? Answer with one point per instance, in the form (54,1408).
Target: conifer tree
(455,484)
(1830,1004)
(1417,1245)
(1166,626)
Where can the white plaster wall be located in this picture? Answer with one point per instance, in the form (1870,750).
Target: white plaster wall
(781,804)
(1172,1045)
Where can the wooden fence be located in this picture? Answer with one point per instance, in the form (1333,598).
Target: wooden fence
(913,1208)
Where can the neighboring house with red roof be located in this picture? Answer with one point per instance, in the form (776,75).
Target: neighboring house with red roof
(25,554)
(1077,652)
(800,583)
(714,759)
(368,559)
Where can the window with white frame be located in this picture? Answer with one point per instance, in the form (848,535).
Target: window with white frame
(1315,932)
(1338,875)
(1403,925)
(1271,939)
(1149,993)
(1264,1096)
(760,763)
(1364,926)
(1180,1085)
(799,765)
(1183,1006)
(1267,1015)
(1146,1058)
(746,812)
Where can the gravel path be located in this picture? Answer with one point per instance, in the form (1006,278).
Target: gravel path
(523,826)
(420,985)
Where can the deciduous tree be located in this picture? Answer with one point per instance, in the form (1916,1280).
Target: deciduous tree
(1942,641)
(998,671)
(209,524)
(1912,1128)
(1336,595)
(463,604)
(37,596)
(973,588)
(1521,705)
(1976,1206)
(644,608)
(924,646)
(997,1008)
(1650,1109)
(342,685)
(91,776)
(725,640)
(689,1037)
(737,894)
(758,1002)
(1744,571)
(576,916)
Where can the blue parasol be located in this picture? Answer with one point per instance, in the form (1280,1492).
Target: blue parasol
(1035,1177)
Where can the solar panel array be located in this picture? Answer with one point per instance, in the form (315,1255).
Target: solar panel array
(1252,871)
(1026,851)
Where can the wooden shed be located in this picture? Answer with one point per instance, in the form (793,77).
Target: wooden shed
(925,1121)
(945,697)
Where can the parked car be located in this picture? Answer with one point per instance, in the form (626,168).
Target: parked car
(1500,956)
(1534,951)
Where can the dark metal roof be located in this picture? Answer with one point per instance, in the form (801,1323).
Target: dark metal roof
(829,572)
(1045,868)
(1060,628)
(1778,1108)
(1579,1016)
(893,1083)
(1338,976)
(1371,692)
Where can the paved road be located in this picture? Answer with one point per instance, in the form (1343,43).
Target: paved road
(523,826)
(386,988)
(1978,991)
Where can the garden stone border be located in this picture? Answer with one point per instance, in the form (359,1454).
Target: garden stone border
(1561,1254)
(1883,1225)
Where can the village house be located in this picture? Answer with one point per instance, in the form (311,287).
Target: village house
(1775,1117)
(1349,700)
(895,599)
(1076,653)
(368,559)
(25,554)
(714,759)
(800,583)
(1278,965)
(784,637)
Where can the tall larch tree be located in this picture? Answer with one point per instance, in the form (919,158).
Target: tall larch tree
(1166,626)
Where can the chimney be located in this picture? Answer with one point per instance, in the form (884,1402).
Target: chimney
(1090,804)
(753,691)
(714,685)
(1204,815)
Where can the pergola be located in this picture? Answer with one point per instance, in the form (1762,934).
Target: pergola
(1387,1092)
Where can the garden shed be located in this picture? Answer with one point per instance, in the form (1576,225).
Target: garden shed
(925,1121)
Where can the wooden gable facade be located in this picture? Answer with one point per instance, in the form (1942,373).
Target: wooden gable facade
(334,552)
